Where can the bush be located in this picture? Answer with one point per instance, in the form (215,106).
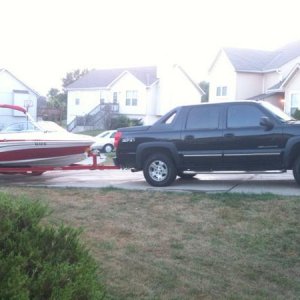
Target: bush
(124,121)
(296,114)
(42,262)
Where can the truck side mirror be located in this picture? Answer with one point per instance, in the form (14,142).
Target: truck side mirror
(266,122)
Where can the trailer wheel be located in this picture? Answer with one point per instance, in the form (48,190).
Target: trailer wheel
(33,173)
(37,173)
(186,175)
(159,170)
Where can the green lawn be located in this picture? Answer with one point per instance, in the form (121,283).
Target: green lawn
(152,245)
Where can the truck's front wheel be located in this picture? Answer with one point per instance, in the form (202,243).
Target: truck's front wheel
(159,170)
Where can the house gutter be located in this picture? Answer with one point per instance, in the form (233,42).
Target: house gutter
(87,89)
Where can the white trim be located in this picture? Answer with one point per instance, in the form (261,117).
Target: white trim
(202,155)
(253,154)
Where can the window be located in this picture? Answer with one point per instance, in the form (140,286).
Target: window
(239,116)
(169,119)
(115,97)
(77,101)
(295,102)
(205,117)
(131,98)
(221,91)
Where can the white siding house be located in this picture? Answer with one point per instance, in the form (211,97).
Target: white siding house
(14,91)
(273,76)
(145,92)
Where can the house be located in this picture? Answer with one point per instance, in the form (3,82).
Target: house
(14,91)
(143,92)
(272,76)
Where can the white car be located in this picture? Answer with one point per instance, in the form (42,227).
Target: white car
(105,141)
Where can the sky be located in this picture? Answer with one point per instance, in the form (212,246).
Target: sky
(42,40)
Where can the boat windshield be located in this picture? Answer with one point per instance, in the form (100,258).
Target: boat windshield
(50,126)
(277,112)
(20,127)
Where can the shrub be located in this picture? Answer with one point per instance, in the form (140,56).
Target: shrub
(296,114)
(124,121)
(42,262)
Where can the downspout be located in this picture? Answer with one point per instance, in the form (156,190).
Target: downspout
(279,72)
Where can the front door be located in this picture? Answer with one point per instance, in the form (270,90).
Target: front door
(247,144)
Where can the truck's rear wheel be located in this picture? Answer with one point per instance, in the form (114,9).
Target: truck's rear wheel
(296,170)
(159,170)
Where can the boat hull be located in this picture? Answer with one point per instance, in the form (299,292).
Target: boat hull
(34,145)
(23,153)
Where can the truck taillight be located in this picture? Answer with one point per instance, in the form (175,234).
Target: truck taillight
(118,137)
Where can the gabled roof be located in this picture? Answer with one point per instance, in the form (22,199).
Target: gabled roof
(248,60)
(259,61)
(279,86)
(284,55)
(190,79)
(105,77)
(30,89)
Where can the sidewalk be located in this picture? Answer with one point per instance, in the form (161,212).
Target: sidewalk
(281,184)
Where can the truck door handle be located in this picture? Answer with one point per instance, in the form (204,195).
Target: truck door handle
(229,135)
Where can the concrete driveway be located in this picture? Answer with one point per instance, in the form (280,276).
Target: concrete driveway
(282,184)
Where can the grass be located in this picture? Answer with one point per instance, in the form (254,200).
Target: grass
(185,246)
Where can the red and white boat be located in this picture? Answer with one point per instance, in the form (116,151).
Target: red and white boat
(36,146)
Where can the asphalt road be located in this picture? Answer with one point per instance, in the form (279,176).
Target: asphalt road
(282,184)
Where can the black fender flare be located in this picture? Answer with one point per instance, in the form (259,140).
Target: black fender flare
(288,155)
(169,146)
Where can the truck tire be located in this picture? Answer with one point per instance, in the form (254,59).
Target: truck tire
(296,170)
(159,170)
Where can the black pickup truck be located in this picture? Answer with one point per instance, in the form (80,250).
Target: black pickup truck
(246,136)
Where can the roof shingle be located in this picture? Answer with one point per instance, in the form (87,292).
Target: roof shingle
(250,60)
(103,78)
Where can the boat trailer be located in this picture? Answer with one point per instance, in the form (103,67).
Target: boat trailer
(39,170)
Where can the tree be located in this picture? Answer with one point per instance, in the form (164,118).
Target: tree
(58,99)
(57,102)
(204,85)
(73,76)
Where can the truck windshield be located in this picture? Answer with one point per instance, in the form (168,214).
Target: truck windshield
(277,112)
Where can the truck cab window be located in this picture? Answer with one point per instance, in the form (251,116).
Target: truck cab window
(206,117)
(239,116)
(170,118)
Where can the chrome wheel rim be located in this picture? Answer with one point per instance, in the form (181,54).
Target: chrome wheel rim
(158,170)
